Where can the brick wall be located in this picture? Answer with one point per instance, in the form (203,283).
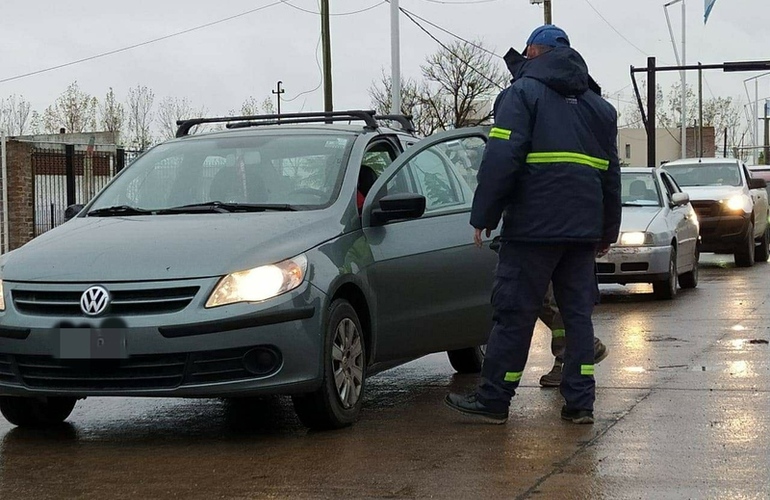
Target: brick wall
(21,216)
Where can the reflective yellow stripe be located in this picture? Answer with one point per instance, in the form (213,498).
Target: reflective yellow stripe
(586,369)
(567,157)
(513,376)
(500,133)
(558,333)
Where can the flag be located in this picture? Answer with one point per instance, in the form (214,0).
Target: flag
(709,4)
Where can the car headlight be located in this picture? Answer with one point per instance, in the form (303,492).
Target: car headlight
(737,202)
(260,283)
(636,238)
(2,297)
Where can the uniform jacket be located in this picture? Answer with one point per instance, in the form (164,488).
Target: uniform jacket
(551,168)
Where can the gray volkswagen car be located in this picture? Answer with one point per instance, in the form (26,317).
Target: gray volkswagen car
(293,258)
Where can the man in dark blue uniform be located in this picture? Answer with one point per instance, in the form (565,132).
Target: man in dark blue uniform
(551,172)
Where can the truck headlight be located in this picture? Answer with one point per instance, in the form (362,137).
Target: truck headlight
(2,297)
(259,283)
(737,202)
(635,239)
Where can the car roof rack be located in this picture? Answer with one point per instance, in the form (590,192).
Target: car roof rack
(404,120)
(367,116)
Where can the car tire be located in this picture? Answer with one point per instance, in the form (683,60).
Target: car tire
(762,250)
(744,255)
(36,412)
(337,402)
(666,289)
(690,279)
(468,360)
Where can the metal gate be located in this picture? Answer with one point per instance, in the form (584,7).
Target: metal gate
(63,176)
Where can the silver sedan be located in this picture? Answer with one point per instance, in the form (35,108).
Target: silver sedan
(659,235)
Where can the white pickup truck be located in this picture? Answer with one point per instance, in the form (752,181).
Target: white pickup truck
(732,207)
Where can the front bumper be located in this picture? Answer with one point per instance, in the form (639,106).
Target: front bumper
(273,347)
(723,233)
(641,264)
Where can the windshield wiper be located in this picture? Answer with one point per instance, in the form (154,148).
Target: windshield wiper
(118,210)
(652,204)
(221,207)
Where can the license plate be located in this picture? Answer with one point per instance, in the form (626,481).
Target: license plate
(92,343)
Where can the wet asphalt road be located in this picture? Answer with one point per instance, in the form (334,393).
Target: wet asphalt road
(683,411)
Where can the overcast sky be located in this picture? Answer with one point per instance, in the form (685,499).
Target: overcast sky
(222,65)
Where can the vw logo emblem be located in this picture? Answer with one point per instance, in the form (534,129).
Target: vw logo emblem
(94,301)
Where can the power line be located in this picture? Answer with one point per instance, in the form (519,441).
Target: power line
(318,63)
(148,42)
(460,2)
(469,65)
(409,13)
(614,29)
(339,14)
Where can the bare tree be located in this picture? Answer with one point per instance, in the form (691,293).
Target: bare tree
(414,102)
(112,115)
(463,79)
(633,116)
(172,109)
(15,115)
(253,106)
(140,116)
(74,111)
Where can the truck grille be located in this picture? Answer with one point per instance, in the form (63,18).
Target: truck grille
(707,208)
(124,302)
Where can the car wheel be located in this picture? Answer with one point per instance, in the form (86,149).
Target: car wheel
(468,360)
(36,412)
(690,279)
(744,256)
(337,402)
(762,250)
(666,289)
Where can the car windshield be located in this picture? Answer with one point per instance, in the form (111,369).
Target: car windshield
(705,174)
(639,190)
(221,174)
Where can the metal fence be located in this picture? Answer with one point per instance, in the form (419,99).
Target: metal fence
(63,176)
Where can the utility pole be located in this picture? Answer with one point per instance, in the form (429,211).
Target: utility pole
(395,58)
(700,110)
(327,51)
(278,93)
(547,12)
(767,133)
(681,62)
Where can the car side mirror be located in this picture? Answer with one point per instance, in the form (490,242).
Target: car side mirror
(757,184)
(679,199)
(72,210)
(398,206)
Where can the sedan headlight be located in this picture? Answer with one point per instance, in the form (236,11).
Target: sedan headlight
(2,297)
(260,283)
(635,239)
(737,202)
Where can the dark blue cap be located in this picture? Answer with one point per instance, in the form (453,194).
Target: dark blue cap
(550,36)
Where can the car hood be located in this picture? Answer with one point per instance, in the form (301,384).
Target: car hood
(163,247)
(712,193)
(638,218)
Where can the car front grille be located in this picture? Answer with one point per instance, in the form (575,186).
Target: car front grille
(156,371)
(707,208)
(124,302)
(605,268)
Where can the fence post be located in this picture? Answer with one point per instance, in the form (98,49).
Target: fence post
(120,159)
(69,151)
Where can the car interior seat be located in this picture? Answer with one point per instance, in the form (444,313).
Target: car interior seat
(638,190)
(366,179)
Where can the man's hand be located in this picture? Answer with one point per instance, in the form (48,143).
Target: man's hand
(477,236)
(602,249)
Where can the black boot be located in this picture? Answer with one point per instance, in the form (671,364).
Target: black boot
(469,405)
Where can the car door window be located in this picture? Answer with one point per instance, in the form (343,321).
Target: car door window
(441,168)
